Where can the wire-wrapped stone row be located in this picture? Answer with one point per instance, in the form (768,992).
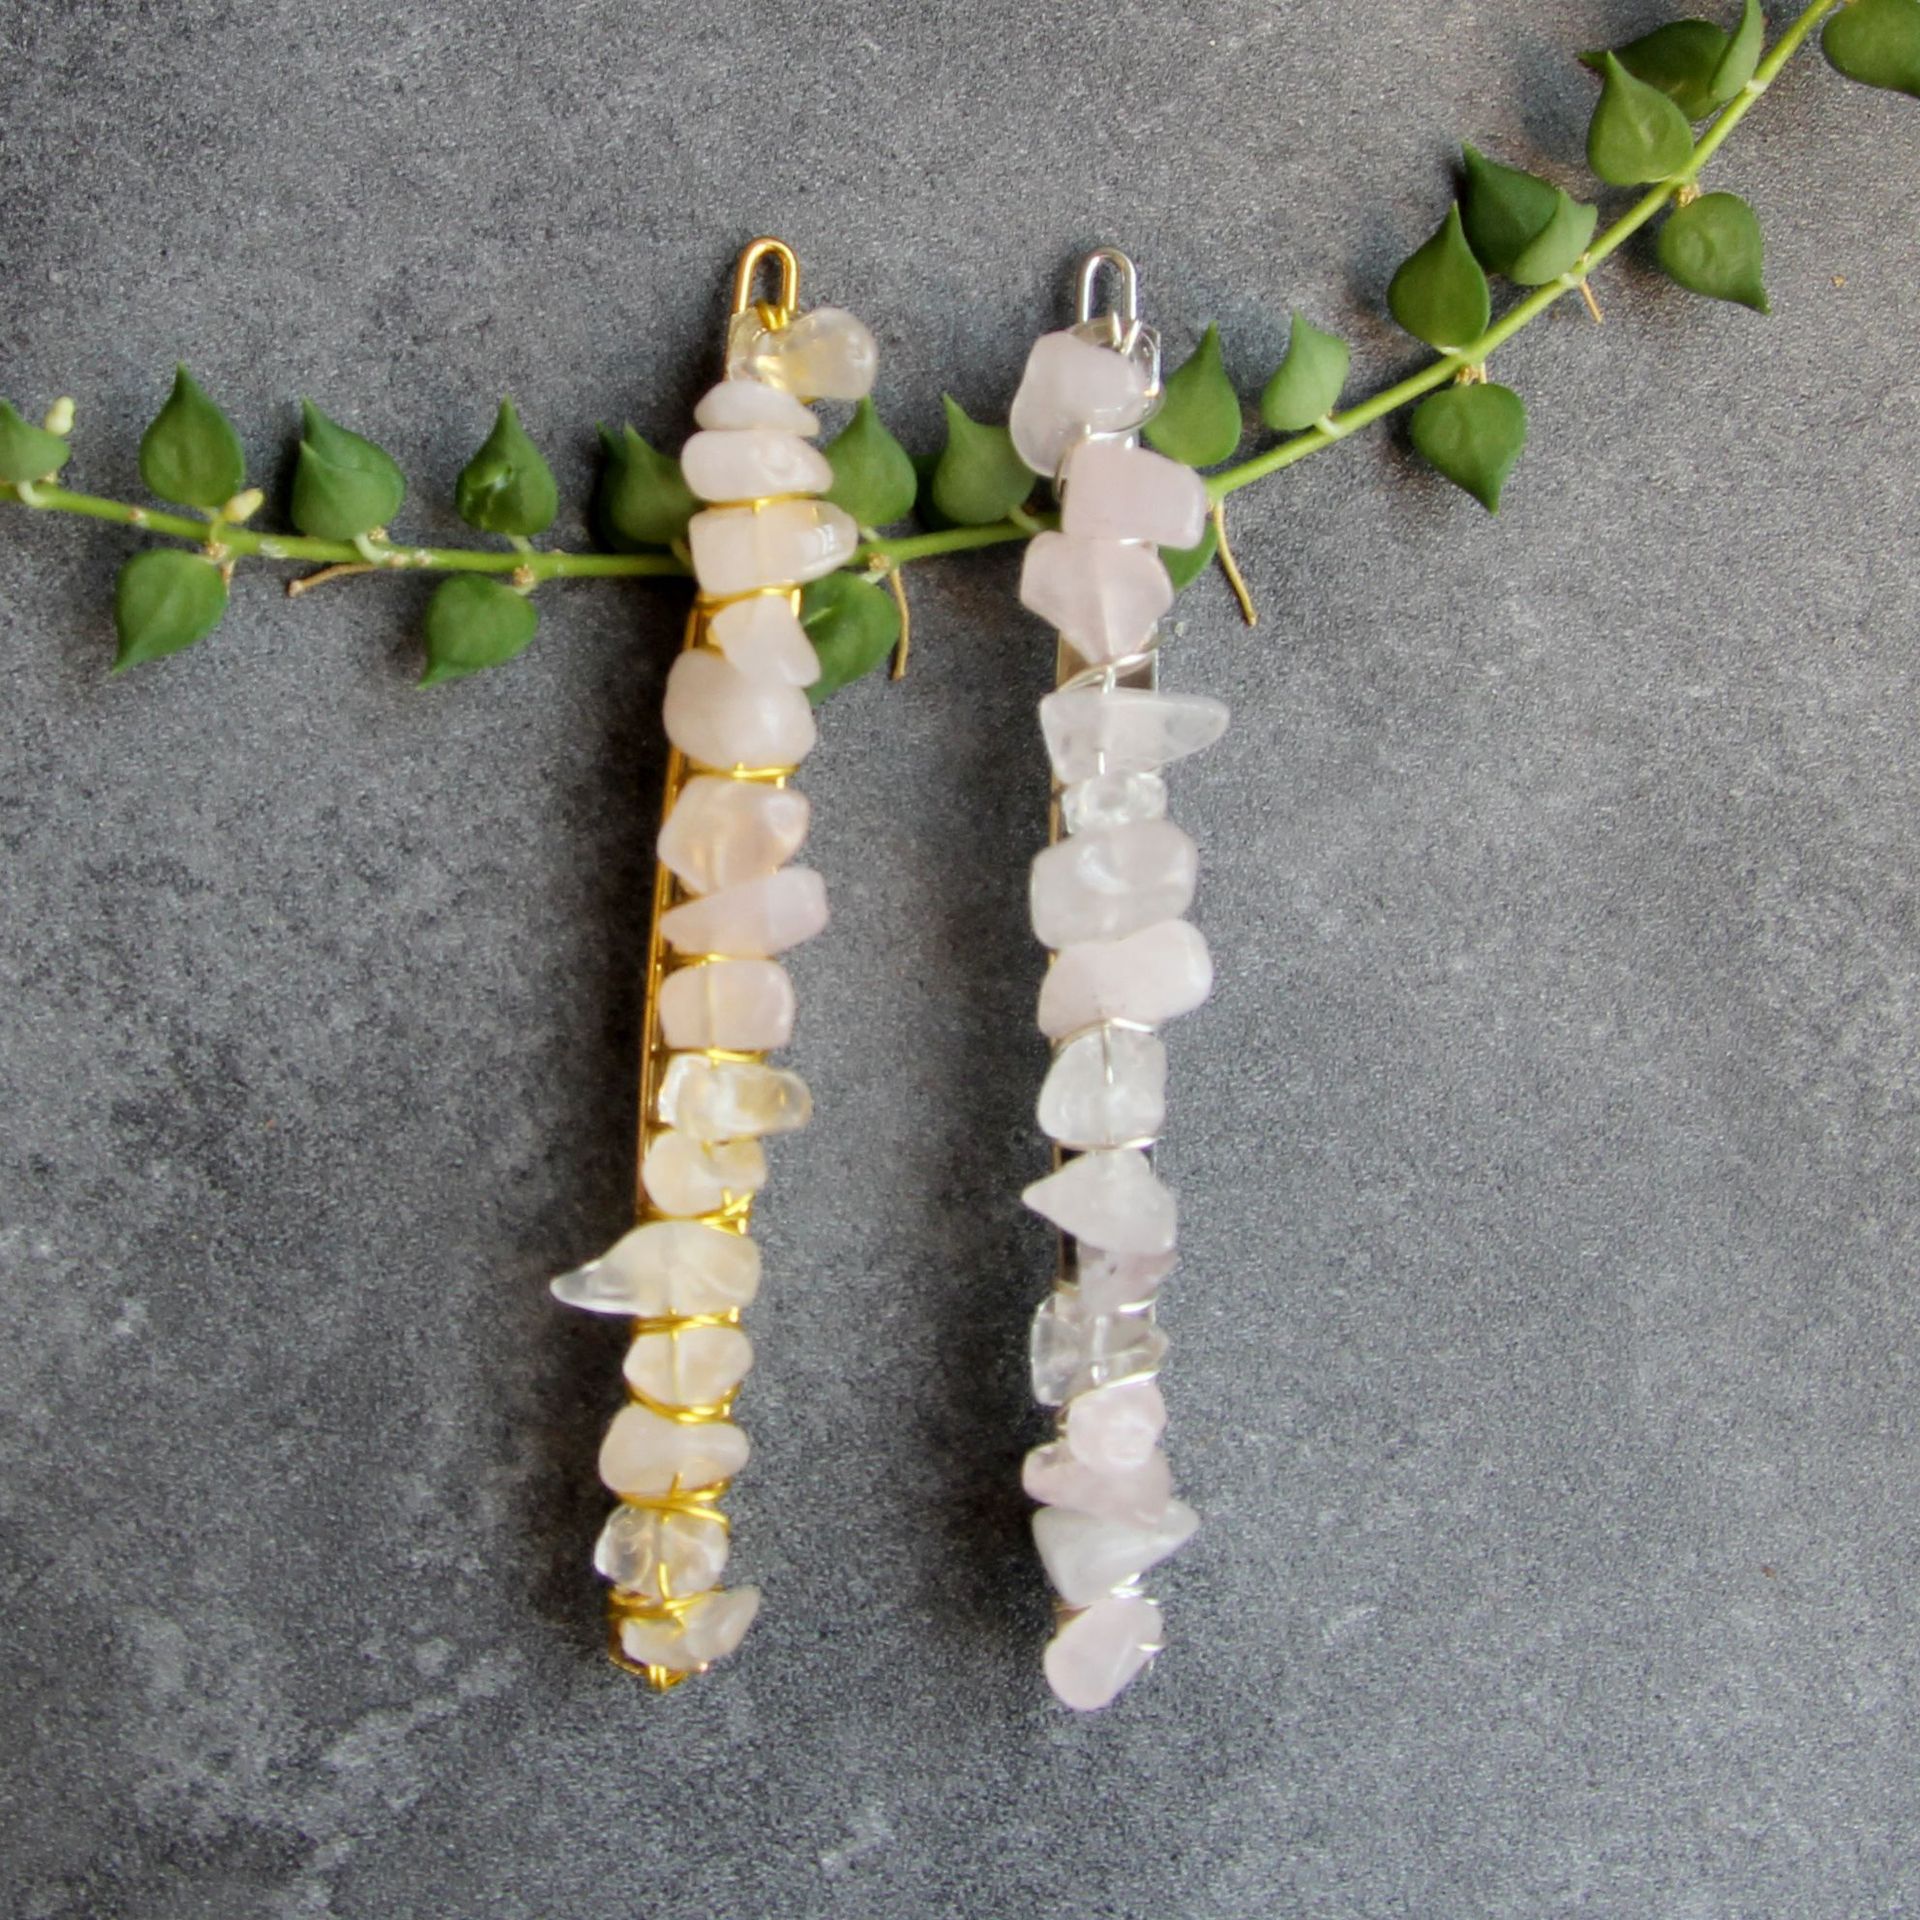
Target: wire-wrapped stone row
(727,903)
(1108,898)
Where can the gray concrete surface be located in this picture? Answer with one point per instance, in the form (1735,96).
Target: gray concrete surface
(1546,1345)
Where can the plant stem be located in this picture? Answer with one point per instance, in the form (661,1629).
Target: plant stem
(394,558)
(1449,365)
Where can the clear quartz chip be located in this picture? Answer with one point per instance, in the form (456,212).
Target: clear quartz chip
(730,1099)
(824,355)
(661,1556)
(1073,1351)
(1113,800)
(1125,729)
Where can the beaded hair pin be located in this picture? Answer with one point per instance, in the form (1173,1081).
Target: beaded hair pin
(1107,896)
(725,905)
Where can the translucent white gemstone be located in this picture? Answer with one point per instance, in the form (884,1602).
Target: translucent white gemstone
(1086,1557)
(723,831)
(1074,1350)
(824,355)
(763,637)
(735,405)
(1106,885)
(684,1175)
(1113,1282)
(1125,730)
(743,1006)
(693,1638)
(740,549)
(754,919)
(689,1366)
(645,1454)
(1137,1495)
(1072,386)
(1096,1653)
(666,1267)
(1150,976)
(1114,1429)
(1104,1089)
(660,1556)
(727,1099)
(1110,1200)
(1104,597)
(1113,800)
(1117,492)
(746,462)
(719,717)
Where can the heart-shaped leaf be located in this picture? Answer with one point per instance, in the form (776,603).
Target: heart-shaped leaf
(344,485)
(873,480)
(507,488)
(1744,47)
(164,600)
(853,624)
(1305,386)
(1185,565)
(191,454)
(1681,59)
(1520,225)
(1713,246)
(1877,42)
(1440,294)
(473,622)
(1637,132)
(1473,435)
(1198,420)
(979,478)
(642,499)
(28,452)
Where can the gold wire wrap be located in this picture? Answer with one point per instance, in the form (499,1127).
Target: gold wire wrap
(701,1503)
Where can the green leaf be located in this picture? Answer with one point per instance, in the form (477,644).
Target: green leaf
(642,499)
(1681,59)
(1473,435)
(1713,246)
(1520,225)
(28,452)
(872,477)
(1306,384)
(853,624)
(1744,47)
(165,600)
(1637,132)
(507,488)
(1877,42)
(343,486)
(474,622)
(1185,565)
(191,453)
(1198,420)
(979,478)
(1440,295)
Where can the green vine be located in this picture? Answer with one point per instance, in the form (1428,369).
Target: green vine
(975,493)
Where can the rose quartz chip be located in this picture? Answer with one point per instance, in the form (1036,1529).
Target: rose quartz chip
(645,1454)
(722,831)
(755,919)
(1103,596)
(1072,386)
(763,637)
(690,1640)
(1106,885)
(740,1006)
(1118,492)
(1111,1200)
(718,717)
(752,461)
(1096,1653)
(742,549)
(1086,1557)
(1150,976)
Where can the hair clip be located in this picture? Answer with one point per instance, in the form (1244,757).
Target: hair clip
(1107,898)
(718,1001)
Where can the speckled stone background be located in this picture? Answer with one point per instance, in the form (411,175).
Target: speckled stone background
(1547,1342)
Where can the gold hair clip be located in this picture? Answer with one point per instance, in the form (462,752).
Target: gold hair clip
(725,905)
